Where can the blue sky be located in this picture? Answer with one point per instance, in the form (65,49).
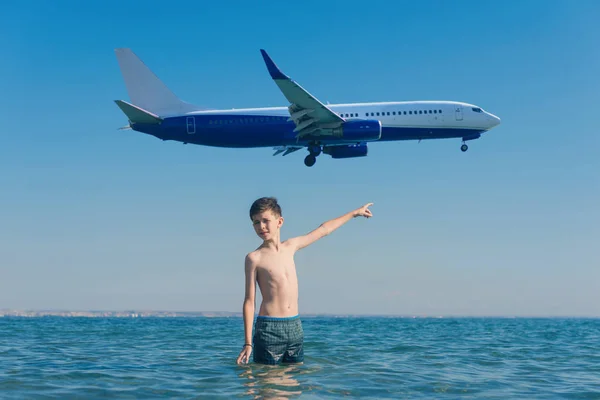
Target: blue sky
(96,218)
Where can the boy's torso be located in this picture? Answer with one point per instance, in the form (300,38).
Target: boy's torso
(278,283)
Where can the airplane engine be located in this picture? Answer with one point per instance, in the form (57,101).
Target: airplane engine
(347,151)
(359,130)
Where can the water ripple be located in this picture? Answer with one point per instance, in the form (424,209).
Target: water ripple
(344,357)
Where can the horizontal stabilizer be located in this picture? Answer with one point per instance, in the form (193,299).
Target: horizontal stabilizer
(138,115)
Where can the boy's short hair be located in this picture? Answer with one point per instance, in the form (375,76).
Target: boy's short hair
(265,204)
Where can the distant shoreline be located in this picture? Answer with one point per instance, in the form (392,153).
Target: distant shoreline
(24,313)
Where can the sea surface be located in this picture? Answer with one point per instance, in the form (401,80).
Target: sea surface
(345,357)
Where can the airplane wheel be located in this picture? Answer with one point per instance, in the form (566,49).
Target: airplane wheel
(464,148)
(310,160)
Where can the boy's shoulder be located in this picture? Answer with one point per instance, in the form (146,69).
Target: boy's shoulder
(253,256)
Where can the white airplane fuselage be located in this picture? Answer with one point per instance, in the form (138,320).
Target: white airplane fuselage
(260,127)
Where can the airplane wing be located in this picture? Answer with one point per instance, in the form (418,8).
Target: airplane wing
(310,115)
(286,149)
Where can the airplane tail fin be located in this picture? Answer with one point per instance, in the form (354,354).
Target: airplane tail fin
(145,90)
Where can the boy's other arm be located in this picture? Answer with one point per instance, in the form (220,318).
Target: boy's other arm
(249,298)
(248,309)
(328,227)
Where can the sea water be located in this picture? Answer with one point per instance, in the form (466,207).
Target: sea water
(345,357)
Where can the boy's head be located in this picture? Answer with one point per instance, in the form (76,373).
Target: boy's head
(265,214)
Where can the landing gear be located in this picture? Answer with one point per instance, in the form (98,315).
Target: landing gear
(311,159)
(464,146)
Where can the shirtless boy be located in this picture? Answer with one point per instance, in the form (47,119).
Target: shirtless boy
(278,335)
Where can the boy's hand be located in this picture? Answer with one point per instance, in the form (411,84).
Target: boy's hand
(244,356)
(364,211)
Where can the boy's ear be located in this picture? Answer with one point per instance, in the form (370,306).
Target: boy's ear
(280,221)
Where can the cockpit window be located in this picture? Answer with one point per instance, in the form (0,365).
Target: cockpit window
(476,109)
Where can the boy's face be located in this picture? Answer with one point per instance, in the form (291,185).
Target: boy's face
(266,224)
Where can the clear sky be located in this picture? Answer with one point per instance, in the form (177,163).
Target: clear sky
(96,218)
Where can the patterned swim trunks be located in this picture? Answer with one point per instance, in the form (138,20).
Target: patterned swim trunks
(278,340)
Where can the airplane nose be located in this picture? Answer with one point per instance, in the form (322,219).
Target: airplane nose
(495,121)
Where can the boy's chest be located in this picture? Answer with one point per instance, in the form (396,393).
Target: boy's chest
(278,265)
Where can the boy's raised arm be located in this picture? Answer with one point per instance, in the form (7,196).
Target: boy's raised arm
(328,227)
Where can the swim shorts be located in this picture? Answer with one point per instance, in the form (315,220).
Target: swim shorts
(278,339)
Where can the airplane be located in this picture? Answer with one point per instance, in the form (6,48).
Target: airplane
(338,130)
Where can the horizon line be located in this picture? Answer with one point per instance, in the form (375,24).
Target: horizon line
(148,312)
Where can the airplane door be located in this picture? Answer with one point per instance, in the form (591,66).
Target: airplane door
(191,125)
(458,113)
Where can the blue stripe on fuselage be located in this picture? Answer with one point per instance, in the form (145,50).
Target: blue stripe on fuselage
(226,130)
(245,131)
(411,133)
